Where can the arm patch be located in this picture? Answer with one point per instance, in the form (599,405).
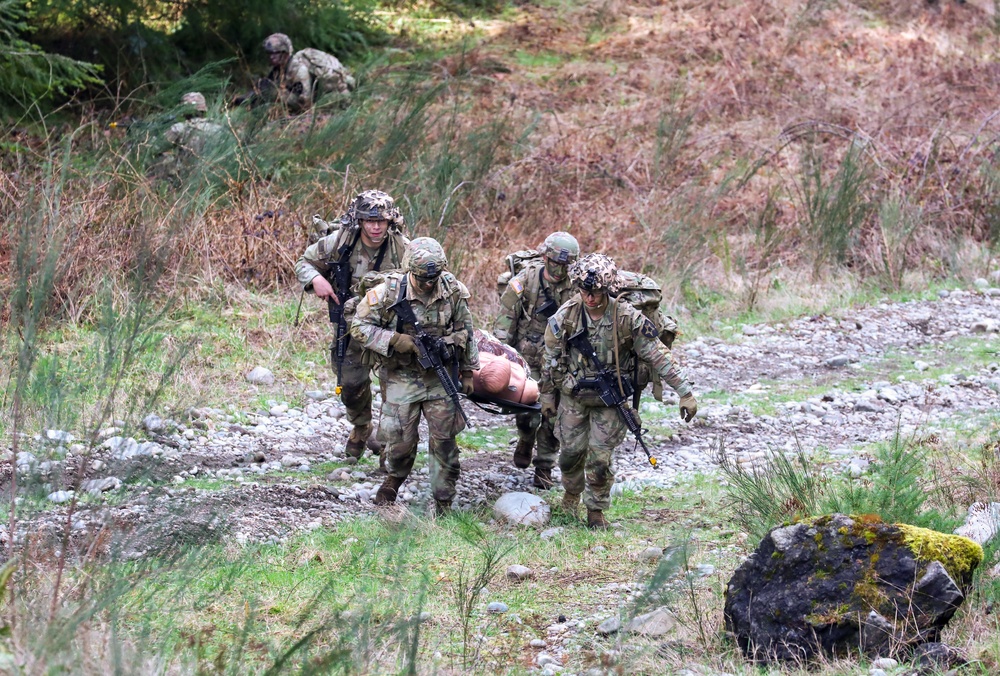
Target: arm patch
(516,285)
(373,297)
(648,329)
(554,326)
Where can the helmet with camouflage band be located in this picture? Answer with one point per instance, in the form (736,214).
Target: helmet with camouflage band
(195,99)
(426,258)
(375,205)
(278,42)
(594,272)
(560,247)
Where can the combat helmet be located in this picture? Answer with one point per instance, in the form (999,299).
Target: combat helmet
(278,42)
(375,205)
(426,258)
(594,272)
(195,99)
(560,247)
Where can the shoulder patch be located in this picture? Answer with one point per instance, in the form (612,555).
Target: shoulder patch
(373,297)
(516,285)
(648,329)
(554,326)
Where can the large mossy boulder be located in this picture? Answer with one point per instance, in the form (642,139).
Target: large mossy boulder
(837,584)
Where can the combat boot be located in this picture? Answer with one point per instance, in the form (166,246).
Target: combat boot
(387,492)
(596,520)
(442,507)
(571,503)
(355,446)
(522,454)
(543,478)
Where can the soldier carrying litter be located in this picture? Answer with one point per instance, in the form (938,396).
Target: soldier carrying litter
(370,239)
(590,331)
(530,298)
(415,323)
(298,81)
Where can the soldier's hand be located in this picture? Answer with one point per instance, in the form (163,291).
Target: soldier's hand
(323,289)
(403,343)
(689,406)
(467,386)
(548,402)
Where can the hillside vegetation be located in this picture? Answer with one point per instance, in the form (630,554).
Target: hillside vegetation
(718,145)
(814,184)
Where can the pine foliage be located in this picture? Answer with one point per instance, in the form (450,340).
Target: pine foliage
(28,75)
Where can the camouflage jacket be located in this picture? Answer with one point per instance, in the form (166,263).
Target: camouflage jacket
(321,258)
(563,367)
(445,314)
(519,324)
(193,135)
(308,74)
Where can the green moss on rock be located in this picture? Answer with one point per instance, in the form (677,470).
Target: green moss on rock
(960,556)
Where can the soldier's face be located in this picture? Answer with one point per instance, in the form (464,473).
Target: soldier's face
(277,58)
(373,232)
(423,285)
(594,300)
(555,271)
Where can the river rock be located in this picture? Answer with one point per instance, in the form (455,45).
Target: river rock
(656,623)
(98,486)
(523,509)
(519,573)
(832,584)
(260,376)
(610,626)
(981,523)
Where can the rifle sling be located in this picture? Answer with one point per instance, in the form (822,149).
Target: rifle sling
(400,299)
(544,289)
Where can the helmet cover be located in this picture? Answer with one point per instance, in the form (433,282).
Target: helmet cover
(278,42)
(195,99)
(594,272)
(560,247)
(375,205)
(426,258)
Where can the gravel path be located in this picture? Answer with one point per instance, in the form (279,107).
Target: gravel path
(821,383)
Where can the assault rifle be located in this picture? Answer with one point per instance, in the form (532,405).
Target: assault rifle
(431,352)
(606,384)
(340,280)
(263,91)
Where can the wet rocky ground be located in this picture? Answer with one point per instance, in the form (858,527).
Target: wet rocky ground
(822,384)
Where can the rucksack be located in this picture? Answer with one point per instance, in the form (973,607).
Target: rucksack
(645,294)
(515,262)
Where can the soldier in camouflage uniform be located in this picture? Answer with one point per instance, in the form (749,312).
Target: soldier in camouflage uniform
(299,80)
(440,304)
(192,135)
(531,297)
(369,239)
(589,431)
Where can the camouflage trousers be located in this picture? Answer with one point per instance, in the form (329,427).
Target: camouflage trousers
(356,385)
(398,430)
(588,436)
(533,428)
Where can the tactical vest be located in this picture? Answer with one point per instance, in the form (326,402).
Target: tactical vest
(531,323)
(438,322)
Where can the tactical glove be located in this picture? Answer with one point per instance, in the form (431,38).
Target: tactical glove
(548,402)
(467,383)
(403,343)
(688,407)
